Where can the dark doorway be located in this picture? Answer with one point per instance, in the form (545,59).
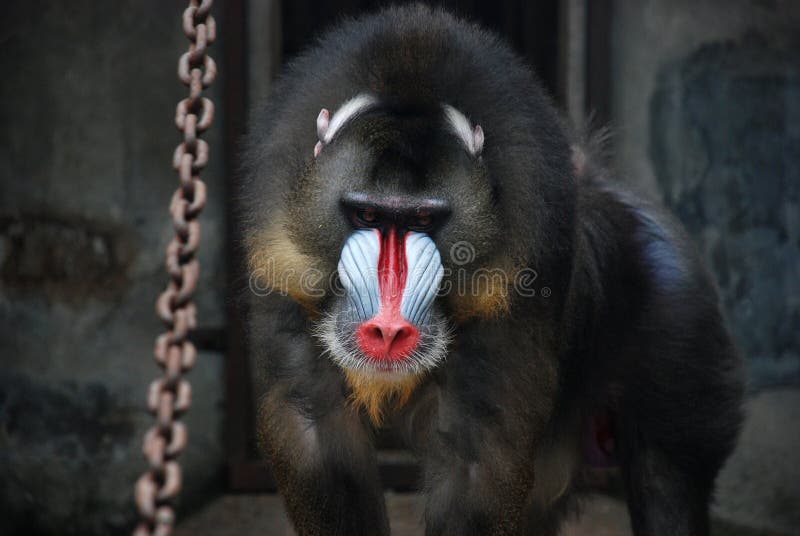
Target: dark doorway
(530,26)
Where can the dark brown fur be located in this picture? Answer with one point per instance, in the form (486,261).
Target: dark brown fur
(628,326)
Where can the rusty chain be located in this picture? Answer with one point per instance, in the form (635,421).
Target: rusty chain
(170,395)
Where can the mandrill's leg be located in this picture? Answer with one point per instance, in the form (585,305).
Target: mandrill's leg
(321,455)
(324,465)
(479,464)
(664,498)
(484,495)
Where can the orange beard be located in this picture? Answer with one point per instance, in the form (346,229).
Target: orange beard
(379,396)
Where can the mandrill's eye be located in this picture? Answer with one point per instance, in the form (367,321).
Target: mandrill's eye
(423,221)
(366,218)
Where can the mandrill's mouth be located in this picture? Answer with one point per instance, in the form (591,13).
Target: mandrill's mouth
(422,349)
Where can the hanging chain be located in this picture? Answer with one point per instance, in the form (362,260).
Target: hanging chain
(170,395)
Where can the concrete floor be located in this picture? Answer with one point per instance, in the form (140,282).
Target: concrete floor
(264,515)
(250,515)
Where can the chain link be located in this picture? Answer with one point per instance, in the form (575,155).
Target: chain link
(170,395)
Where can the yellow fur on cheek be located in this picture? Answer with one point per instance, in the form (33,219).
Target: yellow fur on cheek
(481,305)
(484,293)
(379,396)
(276,264)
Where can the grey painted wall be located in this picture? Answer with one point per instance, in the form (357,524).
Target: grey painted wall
(86,105)
(706,106)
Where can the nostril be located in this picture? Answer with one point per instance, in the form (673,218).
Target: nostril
(392,339)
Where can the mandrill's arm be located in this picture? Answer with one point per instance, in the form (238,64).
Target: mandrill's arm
(325,469)
(321,455)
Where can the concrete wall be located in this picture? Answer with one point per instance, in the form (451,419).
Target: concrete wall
(87,103)
(706,105)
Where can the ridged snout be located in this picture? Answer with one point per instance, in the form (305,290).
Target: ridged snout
(391,282)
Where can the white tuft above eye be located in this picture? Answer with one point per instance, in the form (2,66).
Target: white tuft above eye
(328,126)
(472,138)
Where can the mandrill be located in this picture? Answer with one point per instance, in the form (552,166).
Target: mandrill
(431,243)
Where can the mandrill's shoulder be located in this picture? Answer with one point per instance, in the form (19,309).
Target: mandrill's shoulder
(630,246)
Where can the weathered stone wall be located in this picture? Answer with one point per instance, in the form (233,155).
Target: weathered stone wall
(87,101)
(706,105)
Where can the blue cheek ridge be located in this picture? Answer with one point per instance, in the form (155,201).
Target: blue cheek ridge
(358,271)
(424,274)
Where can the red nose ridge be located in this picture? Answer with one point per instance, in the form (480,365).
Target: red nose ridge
(388,336)
(387,339)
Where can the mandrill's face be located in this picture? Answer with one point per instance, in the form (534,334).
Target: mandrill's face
(384,201)
(399,206)
(390,270)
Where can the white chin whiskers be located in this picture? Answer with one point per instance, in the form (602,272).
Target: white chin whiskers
(337,337)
